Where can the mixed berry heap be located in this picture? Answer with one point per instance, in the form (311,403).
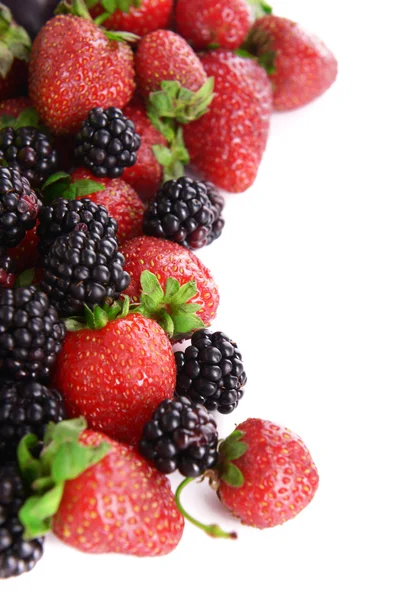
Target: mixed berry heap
(7,269)
(18,207)
(107,142)
(180,436)
(211,372)
(185,211)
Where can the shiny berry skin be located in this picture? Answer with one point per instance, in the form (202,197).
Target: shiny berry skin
(280,478)
(19,207)
(130,506)
(180,436)
(116,376)
(7,269)
(148,16)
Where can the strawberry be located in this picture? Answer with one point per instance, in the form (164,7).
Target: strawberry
(97,495)
(227,143)
(26,255)
(208,23)
(15,46)
(137,16)
(14,106)
(117,374)
(166,56)
(168,259)
(267,475)
(146,175)
(300,66)
(120,199)
(96,70)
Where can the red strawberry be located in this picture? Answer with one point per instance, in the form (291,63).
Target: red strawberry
(117,375)
(26,255)
(75,67)
(146,174)
(142,16)
(268,475)
(228,142)
(203,23)
(15,46)
(165,56)
(14,106)
(168,259)
(121,201)
(105,496)
(300,66)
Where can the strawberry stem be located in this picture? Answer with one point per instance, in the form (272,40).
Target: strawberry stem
(213,530)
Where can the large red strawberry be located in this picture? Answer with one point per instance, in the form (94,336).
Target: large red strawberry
(227,143)
(167,259)
(137,16)
(165,56)
(300,66)
(15,46)
(218,23)
(74,67)
(100,496)
(120,199)
(267,475)
(146,174)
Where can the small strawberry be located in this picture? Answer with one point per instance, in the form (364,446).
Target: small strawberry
(97,495)
(14,107)
(299,65)
(167,259)
(165,56)
(96,70)
(15,47)
(213,23)
(137,16)
(227,143)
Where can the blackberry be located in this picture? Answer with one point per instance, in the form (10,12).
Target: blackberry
(26,407)
(180,436)
(18,207)
(107,142)
(82,269)
(31,334)
(30,151)
(210,371)
(17,555)
(185,211)
(63,216)
(7,269)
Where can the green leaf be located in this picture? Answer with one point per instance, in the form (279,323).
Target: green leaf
(42,485)
(162,154)
(72,324)
(7,121)
(89,317)
(76,7)
(171,288)
(35,514)
(72,459)
(148,303)
(85,187)
(100,317)
(29,466)
(233,476)
(151,286)
(69,431)
(6,60)
(125,307)
(236,450)
(101,18)
(187,323)
(27,118)
(109,5)
(166,322)
(25,278)
(122,36)
(185,309)
(56,177)
(124,5)
(91,3)
(185,293)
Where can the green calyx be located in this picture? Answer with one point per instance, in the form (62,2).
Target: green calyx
(110,6)
(14,42)
(229,450)
(260,8)
(100,316)
(257,47)
(27,118)
(62,459)
(59,185)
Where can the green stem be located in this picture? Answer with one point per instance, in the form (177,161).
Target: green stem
(212,530)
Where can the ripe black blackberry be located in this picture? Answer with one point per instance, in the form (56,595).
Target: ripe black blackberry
(30,151)
(7,269)
(211,372)
(82,269)
(63,216)
(17,555)
(107,142)
(26,407)
(180,436)
(185,211)
(19,207)
(31,334)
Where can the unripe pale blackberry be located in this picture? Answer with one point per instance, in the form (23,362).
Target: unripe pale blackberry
(180,436)
(185,211)
(210,371)
(19,207)
(107,142)
(31,334)
(82,269)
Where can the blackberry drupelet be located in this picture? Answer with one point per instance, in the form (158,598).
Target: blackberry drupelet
(31,334)
(7,269)
(19,207)
(26,407)
(180,436)
(107,142)
(210,371)
(30,151)
(17,555)
(82,268)
(185,211)
(63,216)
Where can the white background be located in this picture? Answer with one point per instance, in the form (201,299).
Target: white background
(308,270)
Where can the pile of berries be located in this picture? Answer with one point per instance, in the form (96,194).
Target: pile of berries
(99,279)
